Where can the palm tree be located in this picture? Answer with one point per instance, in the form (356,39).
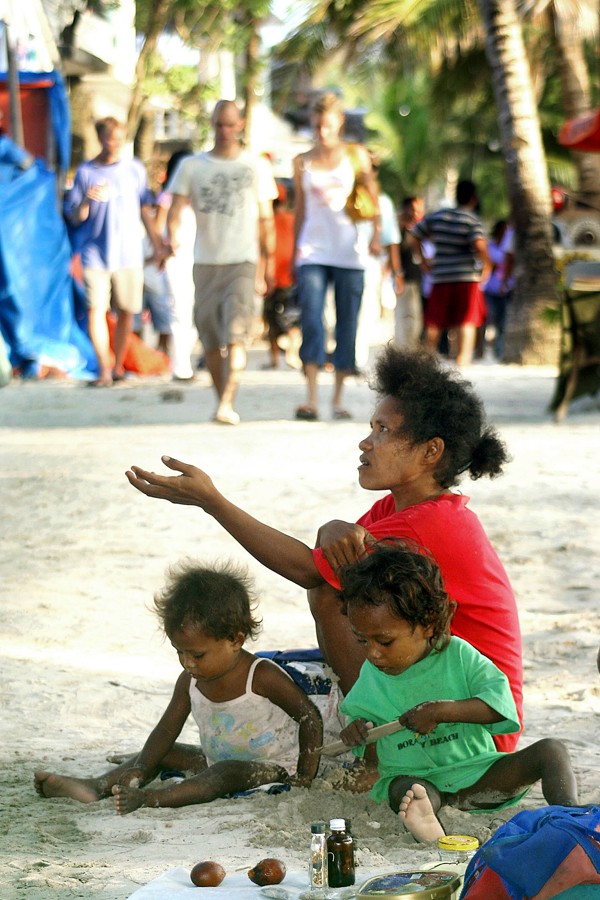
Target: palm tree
(155,15)
(445,27)
(527,339)
(208,24)
(572,23)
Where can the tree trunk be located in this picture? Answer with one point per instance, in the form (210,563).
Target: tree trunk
(529,339)
(143,145)
(251,76)
(157,19)
(83,134)
(575,86)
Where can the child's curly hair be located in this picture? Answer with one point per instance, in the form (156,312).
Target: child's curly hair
(218,599)
(435,401)
(403,577)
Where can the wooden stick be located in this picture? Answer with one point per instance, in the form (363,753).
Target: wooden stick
(373,734)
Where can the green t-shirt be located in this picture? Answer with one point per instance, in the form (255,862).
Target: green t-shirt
(455,754)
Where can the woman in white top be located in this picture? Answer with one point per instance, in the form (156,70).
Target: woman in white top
(329,247)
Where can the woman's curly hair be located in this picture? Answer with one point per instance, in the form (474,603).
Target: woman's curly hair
(436,401)
(217,599)
(403,577)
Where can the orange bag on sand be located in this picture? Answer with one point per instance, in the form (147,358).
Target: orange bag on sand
(139,357)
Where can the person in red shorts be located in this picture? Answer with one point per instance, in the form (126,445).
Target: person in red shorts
(428,429)
(460,264)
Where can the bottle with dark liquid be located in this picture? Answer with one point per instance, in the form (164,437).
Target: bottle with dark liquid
(340,855)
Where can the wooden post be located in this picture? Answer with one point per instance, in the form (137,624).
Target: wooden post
(14,91)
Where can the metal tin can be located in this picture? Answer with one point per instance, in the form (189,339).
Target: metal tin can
(429,885)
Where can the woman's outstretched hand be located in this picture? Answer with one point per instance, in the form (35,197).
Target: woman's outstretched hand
(192,487)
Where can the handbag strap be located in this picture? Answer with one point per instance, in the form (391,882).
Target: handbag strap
(352,151)
(586,836)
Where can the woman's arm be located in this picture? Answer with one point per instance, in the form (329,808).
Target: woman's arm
(277,551)
(481,252)
(370,182)
(271,682)
(148,218)
(160,220)
(299,202)
(163,736)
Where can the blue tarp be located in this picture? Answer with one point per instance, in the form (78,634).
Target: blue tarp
(37,298)
(40,319)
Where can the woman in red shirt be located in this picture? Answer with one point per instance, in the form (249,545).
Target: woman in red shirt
(428,429)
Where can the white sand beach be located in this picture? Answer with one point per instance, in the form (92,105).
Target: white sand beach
(85,670)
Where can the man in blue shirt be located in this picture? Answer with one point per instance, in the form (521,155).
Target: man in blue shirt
(108,204)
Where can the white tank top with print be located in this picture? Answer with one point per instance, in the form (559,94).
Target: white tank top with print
(328,236)
(248,727)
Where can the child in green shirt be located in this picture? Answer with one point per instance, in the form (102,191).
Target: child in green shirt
(448,698)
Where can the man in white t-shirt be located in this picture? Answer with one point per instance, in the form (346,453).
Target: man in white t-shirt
(232,196)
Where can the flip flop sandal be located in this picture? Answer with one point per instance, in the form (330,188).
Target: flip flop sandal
(306,414)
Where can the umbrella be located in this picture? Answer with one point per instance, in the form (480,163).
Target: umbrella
(582,134)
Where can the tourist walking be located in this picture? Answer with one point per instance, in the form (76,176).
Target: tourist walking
(232,196)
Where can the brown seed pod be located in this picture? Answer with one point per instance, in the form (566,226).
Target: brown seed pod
(207,874)
(267,871)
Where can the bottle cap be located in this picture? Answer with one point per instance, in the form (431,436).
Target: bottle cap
(337,824)
(460,842)
(318,828)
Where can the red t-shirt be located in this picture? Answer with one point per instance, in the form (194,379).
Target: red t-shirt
(284,248)
(486,614)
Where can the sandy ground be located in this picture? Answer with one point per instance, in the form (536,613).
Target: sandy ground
(85,671)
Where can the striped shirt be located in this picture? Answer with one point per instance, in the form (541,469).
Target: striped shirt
(454,232)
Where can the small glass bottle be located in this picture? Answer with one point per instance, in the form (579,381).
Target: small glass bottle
(317,868)
(457,848)
(340,855)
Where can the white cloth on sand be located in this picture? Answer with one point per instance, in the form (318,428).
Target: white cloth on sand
(171,885)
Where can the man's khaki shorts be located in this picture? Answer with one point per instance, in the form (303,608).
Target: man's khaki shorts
(124,286)
(224,305)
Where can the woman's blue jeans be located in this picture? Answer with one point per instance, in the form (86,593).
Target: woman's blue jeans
(312,283)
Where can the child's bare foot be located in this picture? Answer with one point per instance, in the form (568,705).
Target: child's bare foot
(48,784)
(127,799)
(417,814)
(119,758)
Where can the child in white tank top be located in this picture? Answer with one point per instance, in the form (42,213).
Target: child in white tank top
(256,725)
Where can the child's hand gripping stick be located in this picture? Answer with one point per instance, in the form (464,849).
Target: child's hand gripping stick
(373,734)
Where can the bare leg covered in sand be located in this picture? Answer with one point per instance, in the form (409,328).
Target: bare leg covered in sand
(222,778)
(92,789)
(86,790)
(546,760)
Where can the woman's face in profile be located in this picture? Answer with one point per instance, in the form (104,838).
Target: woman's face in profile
(327,127)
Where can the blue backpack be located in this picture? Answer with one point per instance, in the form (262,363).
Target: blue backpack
(536,855)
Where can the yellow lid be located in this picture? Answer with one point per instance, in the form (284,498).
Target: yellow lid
(460,842)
